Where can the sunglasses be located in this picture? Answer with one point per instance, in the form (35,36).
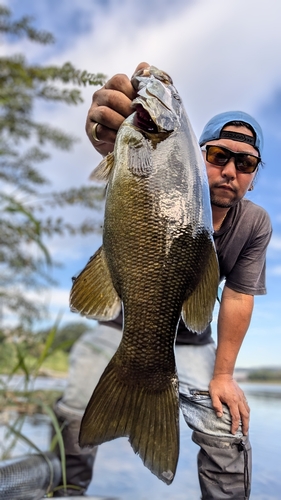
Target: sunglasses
(244,162)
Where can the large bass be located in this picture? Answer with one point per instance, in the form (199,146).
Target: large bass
(157,261)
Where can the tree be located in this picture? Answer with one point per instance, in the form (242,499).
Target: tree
(25,220)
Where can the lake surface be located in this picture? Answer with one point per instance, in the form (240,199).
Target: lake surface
(119,473)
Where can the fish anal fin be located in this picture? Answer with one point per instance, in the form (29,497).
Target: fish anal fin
(197,309)
(149,418)
(92,293)
(104,168)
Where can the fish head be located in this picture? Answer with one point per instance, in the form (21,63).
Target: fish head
(158,105)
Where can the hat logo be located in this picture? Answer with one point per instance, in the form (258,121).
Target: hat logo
(236,136)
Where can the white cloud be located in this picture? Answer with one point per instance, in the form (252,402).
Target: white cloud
(275,271)
(212,51)
(218,53)
(58,300)
(73,248)
(275,243)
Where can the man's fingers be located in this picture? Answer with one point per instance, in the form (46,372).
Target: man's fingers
(235,419)
(217,405)
(110,106)
(240,413)
(106,118)
(245,417)
(121,83)
(103,134)
(225,391)
(109,109)
(117,102)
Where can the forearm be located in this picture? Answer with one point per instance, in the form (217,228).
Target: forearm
(233,322)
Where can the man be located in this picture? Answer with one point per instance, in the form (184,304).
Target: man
(212,403)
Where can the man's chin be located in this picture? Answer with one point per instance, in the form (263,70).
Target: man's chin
(223,202)
(223,197)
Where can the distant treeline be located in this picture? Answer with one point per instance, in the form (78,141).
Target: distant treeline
(265,375)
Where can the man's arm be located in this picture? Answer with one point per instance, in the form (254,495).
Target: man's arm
(233,322)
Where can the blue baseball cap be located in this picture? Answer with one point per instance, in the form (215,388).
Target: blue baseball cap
(213,129)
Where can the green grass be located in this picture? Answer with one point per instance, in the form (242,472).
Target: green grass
(58,362)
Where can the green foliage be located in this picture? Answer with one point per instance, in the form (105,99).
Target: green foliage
(56,363)
(22,26)
(28,218)
(66,335)
(15,405)
(28,353)
(27,359)
(25,205)
(8,356)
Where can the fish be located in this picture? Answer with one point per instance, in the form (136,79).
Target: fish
(157,263)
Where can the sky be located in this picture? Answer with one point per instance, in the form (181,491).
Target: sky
(221,55)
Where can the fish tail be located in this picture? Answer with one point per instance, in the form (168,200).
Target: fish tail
(149,418)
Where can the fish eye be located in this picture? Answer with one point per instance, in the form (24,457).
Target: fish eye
(177,97)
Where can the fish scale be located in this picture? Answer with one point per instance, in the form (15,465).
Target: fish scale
(157,262)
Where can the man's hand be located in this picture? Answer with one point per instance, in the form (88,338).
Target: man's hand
(224,389)
(233,321)
(110,106)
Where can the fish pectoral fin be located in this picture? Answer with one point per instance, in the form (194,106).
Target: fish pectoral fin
(104,168)
(197,309)
(149,418)
(139,156)
(92,293)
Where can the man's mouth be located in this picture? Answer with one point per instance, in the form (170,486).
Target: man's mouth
(225,187)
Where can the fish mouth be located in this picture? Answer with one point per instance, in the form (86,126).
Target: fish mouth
(143,120)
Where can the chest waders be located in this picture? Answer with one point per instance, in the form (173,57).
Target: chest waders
(224,467)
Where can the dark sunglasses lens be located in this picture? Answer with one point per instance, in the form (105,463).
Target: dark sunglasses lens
(246,163)
(217,156)
(221,156)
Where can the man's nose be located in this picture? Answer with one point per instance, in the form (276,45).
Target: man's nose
(229,170)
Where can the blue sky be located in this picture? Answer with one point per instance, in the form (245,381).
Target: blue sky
(221,56)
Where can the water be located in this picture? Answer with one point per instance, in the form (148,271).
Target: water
(17,383)
(119,473)
(265,434)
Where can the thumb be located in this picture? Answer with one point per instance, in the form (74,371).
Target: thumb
(139,69)
(141,66)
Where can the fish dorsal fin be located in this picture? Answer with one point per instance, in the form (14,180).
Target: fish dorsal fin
(197,309)
(104,168)
(140,159)
(93,294)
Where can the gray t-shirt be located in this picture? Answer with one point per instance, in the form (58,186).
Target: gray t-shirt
(241,245)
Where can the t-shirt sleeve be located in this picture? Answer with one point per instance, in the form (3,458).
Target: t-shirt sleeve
(248,274)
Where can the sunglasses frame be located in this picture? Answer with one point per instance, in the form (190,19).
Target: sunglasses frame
(232,155)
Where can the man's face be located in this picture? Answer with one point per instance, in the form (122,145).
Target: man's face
(228,185)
